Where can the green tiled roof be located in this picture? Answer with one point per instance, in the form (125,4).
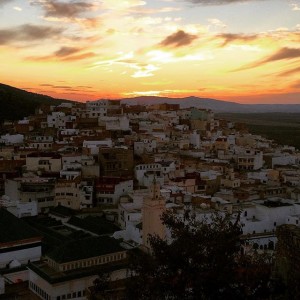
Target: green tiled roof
(97,225)
(14,229)
(62,211)
(85,248)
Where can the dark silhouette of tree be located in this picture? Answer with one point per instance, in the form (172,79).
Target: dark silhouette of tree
(201,260)
(100,285)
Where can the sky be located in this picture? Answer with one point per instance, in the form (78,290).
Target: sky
(247,51)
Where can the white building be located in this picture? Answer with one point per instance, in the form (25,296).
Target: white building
(11,139)
(42,161)
(18,241)
(31,189)
(110,189)
(145,146)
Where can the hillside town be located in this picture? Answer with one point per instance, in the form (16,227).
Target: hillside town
(82,184)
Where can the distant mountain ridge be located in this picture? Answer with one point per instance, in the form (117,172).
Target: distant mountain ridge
(216,105)
(16,103)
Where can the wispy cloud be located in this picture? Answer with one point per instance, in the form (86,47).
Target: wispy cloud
(178,39)
(290,72)
(27,33)
(17,8)
(220,2)
(144,71)
(159,93)
(68,88)
(150,11)
(236,37)
(296,85)
(282,54)
(65,53)
(81,56)
(217,23)
(127,59)
(295,7)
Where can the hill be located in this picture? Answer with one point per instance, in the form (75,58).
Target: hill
(16,104)
(216,105)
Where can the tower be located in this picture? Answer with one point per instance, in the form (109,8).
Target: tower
(153,208)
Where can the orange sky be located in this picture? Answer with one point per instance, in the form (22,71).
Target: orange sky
(245,51)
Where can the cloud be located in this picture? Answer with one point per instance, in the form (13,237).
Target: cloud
(65,54)
(68,88)
(65,51)
(296,85)
(27,33)
(79,56)
(217,23)
(219,2)
(122,5)
(235,37)
(144,71)
(17,8)
(290,72)
(159,93)
(3,2)
(295,7)
(151,11)
(282,54)
(178,39)
(71,9)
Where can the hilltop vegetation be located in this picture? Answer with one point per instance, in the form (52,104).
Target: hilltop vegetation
(16,104)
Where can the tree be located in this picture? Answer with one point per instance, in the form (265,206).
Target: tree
(100,285)
(200,261)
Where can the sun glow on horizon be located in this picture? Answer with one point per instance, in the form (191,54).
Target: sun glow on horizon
(113,49)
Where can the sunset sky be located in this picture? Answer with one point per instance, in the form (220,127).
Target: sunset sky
(246,51)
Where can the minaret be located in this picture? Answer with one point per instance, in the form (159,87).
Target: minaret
(153,208)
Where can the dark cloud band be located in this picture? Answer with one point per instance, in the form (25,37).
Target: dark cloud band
(71,9)
(28,33)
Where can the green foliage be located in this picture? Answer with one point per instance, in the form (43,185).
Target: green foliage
(283,128)
(282,135)
(202,261)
